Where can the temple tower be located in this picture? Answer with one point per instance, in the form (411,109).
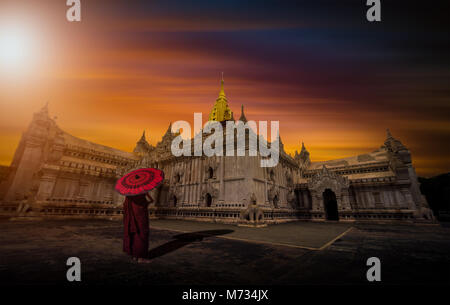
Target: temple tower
(221,112)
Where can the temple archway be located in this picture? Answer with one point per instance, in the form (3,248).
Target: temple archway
(272,175)
(177,178)
(208,199)
(210,173)
(275,201)
(330,205)
(174,201)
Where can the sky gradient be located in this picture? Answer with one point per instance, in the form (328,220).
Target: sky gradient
(332,79)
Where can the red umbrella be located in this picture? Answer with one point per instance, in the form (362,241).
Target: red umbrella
(139,181)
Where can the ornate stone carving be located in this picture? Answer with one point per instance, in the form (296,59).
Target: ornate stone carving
(289,180)
(177,176)
(302,158)
(253,214)
(273,195)
(209,189)
(398,153)
(175,195)
(326,179)
(270,174)
(292,199)
(210,168)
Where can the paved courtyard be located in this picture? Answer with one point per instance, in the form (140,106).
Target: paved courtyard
(185,252)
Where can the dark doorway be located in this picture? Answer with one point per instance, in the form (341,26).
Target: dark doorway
(210,173)
(275,201)
(330,205)
(208,200)
(174,201)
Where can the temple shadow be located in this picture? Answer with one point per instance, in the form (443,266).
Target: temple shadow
(182,240)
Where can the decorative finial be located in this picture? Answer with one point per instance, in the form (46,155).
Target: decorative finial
(388,133)
(222,91)
(44,110)
(169,129)
(242,118)
(142,137)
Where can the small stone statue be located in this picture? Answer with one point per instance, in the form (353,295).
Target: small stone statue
(252,215)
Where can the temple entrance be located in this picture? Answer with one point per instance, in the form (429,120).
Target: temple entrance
(208,199)
(275,201)
(174,201)
(210,173)
(330,205)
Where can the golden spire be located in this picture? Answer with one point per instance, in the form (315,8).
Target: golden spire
(222,91)
(221,111)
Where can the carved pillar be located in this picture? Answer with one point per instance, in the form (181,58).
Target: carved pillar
(195,199)
(200,180)
(317,201)
(222,175)
(188,174)
(183,183)
(266,197)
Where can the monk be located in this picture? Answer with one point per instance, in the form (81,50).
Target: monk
(135,222)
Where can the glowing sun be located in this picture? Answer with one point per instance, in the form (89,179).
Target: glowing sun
(15,47)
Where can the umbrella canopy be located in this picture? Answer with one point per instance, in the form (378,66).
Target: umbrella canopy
(139,181)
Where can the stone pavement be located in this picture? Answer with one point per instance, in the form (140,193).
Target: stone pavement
(308,235)
(207,253)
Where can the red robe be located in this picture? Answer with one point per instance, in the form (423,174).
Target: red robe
(135,224)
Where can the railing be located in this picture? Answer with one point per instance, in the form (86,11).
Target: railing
(71,200)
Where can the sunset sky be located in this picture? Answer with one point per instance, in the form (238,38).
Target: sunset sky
(332,79)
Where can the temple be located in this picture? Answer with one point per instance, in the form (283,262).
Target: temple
(55,174)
